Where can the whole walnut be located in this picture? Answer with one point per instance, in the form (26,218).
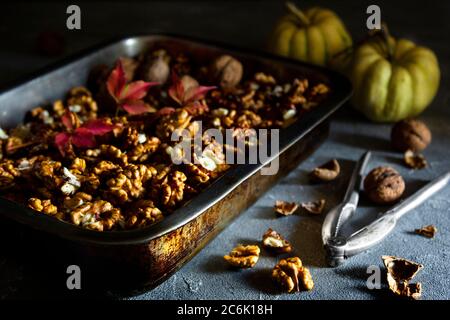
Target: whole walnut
(157,68)
(384,185)
(410,134)
(227,71)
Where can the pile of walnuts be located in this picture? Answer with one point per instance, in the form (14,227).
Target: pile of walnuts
(126,179)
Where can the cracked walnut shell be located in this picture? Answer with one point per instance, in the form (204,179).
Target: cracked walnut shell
(285,208)
(326,172)
(243,256)
(292,275)
(399,274)
(427,231)
(384,185)
(314,207)
(272,240)
(415,160)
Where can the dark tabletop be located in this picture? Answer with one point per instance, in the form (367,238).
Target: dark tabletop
(247,24)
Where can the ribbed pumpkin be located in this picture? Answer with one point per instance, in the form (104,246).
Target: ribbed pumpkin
(314,35)
(393,79)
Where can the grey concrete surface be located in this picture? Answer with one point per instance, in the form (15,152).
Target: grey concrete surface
(246,24)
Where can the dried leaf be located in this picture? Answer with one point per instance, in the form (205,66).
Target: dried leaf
(128,95)
(326,172)
(165,111)
(427,231)
(83,138)
(314,207)
(185,95)
(116,80)
(135,107)
(415,160)
(61,141)
(274,241)
(136,90)
(285,208)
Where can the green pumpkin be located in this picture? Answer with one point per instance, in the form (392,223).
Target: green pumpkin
(314,35)
(393,79)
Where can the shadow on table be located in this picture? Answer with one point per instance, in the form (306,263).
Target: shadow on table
(27,271)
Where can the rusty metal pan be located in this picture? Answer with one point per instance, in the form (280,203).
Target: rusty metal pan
(154,252)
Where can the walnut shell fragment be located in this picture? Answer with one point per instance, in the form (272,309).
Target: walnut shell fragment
(399,273)
(415,160)
(326,172)
(243,256)
(285,208)
(292,275)
(384,185)
(410,134)
(272,240)
(314,207)
(427,231)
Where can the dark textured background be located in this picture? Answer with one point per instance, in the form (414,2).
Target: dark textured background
(247,24)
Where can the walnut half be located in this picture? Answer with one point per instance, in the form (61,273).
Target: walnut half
(243,256)
(274,241)
(292,276)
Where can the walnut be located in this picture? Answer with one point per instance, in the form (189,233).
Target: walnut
(90,182)
(296,93)
(227,71)
(427,231)
(410,134)
(326,172)
(114,154)
(384,185)
(178,120)
(248,119)
(80,101)
(93,215)
(399,273)
(172,189)
(274,241)
(196,174)
(292,276)
(129,184)
(414,160)
(314,207)
(47,172)
(78,165)
(76,200)
(243,256)
(44,206)
(285,208)
(8,173)
(143,213)
(263,78)
(143,151)
(157,68)
(105,166)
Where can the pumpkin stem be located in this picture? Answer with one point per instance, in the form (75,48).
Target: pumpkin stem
(304,21)
(387,38)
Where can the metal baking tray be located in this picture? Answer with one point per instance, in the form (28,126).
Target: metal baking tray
(146,257)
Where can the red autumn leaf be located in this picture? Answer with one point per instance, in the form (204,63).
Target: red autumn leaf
(98,127)
(66,120)
(136,90)
(184,96)
(82,137)
(126,94)
(61,141)
(116,81)
(134,107)
(165,111)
